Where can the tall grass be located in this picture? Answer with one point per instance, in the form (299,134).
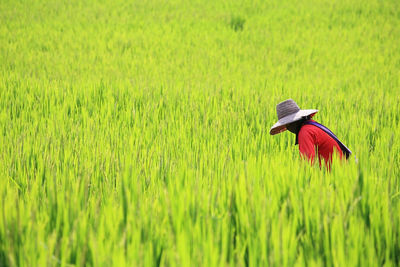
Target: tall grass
(138,133)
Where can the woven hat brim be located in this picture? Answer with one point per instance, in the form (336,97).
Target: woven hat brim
(280,126)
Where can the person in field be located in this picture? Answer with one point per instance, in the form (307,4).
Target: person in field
(313,138)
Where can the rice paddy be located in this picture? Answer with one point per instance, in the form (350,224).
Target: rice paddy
(136,133)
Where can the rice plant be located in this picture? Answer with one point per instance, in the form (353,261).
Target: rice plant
(136,133)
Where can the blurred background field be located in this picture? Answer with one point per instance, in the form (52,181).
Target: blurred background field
(137,133)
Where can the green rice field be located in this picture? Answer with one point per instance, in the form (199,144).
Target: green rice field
(136,133)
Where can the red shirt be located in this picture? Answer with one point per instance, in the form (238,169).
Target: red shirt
(312,140)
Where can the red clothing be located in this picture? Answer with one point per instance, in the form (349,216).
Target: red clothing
(312,139)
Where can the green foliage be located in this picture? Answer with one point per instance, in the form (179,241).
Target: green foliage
(237,23)
(137,133)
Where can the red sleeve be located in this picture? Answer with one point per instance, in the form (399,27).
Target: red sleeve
(307,141)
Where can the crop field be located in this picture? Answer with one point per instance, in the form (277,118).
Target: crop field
(136,133)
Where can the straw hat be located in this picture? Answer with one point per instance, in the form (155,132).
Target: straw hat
(288,111)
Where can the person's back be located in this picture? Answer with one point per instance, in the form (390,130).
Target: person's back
(313,140)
